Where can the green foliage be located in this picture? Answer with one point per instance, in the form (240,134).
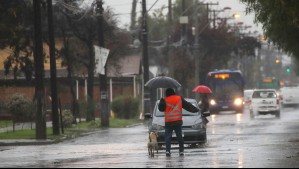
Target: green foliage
(67,118)
(82,108)
(15,31)
(5,123)
(125,107)
(120,123)
(20,106)
(69,133)
(280,20)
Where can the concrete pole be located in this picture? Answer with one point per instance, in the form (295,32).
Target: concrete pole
(196,49)
(77,90)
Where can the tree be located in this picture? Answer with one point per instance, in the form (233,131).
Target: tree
(84,27)
(41,128)
(280,20)
(16,32)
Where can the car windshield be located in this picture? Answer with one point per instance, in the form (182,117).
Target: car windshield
(185,112)
(264,94)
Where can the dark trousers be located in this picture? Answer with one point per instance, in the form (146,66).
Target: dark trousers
(168,137)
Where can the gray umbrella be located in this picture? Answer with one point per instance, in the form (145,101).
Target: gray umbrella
(162,82)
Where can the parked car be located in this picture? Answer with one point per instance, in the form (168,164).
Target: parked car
(290,96)
(193,129)
(265,101)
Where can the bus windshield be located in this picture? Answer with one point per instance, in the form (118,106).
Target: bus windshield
(226,85)
(227,89)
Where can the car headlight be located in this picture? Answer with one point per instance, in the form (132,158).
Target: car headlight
(157,127)
(213,102)
(198,126)
(238,102)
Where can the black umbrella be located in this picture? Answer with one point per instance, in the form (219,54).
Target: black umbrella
(162,82)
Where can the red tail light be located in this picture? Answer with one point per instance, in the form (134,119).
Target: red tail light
(277,102)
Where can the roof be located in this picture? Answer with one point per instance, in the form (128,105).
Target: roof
(226,71)
(264,90)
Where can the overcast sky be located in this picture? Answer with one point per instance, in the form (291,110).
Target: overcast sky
(123,8)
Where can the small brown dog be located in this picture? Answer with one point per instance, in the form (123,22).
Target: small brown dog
(152,145)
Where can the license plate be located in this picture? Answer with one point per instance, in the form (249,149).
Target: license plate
(225,107)
(174,135)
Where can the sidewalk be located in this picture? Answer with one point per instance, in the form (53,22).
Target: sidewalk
(23,142)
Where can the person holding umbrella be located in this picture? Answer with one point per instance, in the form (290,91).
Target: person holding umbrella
(204,104)
(172,106)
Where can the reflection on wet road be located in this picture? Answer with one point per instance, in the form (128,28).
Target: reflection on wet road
(234,140)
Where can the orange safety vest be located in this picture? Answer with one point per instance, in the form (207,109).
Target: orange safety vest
(173,111)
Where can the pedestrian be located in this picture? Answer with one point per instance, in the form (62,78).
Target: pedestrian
(204,106)
(204,103)
(172,106)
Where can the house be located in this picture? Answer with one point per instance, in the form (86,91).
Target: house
(123,79)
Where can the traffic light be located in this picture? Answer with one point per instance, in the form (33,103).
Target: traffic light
(288,69)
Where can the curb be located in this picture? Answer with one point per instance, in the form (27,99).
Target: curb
(25,142)
(134,125)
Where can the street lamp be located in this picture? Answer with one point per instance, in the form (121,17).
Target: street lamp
(277,61)
(236,15)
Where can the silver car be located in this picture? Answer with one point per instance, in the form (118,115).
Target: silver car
(193,129)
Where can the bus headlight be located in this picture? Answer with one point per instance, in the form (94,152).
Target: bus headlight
(213,102)
(238,102)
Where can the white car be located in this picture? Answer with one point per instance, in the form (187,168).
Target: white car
(265,101)
(290,96)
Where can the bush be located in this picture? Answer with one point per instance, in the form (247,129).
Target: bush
(19,105)
(87,108)
(125,107)
(67,118)
(83,109)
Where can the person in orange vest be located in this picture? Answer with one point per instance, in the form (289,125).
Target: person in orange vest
(172,107)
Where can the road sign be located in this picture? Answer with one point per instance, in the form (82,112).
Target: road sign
(101,55)
(104,95)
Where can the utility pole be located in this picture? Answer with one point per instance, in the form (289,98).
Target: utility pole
(197,54)
(196,48)
(184,26)
(145,41)
(169,40)
(146,95)
(41,130)
(102,77)
(55,116)
(208,10)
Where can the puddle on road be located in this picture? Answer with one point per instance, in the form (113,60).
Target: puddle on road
(294,140)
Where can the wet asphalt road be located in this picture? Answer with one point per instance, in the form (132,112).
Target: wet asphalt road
(234,141)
